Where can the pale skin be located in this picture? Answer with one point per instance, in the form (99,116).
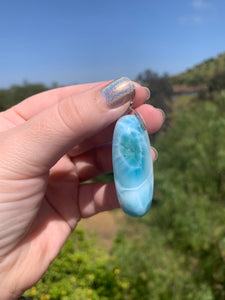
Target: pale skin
(49,144)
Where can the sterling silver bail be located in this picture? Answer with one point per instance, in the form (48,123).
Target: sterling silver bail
(137,114)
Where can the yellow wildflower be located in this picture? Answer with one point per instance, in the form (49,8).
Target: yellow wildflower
(89,292)
(117,271)
(33,291)
(73,279)
(91,276)
(45,297)
(64,293)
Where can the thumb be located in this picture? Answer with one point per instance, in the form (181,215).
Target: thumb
(43,139)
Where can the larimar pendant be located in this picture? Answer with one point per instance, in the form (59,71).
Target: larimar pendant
(132,165)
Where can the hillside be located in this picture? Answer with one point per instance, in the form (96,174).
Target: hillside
(201,73)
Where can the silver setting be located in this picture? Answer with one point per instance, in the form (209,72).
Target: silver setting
(137,115)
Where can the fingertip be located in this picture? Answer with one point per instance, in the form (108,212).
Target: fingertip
(163,114)
(148,93)
(152,117)
(142,94)
(154,154)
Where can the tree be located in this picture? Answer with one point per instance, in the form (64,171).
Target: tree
(16,93)
(217,83)
(160,87)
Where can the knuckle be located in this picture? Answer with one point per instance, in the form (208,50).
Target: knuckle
(71,114)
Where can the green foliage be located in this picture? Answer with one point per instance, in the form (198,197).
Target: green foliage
(190,181)
(155,270)
(15,94)
(217,83)
(199,138)
(201,73)
(82,271)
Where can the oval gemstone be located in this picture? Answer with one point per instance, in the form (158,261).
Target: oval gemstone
(132,166)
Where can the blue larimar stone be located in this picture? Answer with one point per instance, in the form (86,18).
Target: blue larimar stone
(132,165)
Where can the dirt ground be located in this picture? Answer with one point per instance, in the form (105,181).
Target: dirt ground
(105,225)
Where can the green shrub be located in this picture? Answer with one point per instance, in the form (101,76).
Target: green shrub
(81,271)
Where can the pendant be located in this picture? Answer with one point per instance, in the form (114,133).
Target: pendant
(132,165)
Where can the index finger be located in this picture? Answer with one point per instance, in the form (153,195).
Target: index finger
(37,103)
(69,122)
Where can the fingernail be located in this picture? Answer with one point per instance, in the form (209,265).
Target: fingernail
(163,114)
(148,93)
(156,155)
(119,92)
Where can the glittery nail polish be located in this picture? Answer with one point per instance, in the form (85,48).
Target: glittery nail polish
(119,92)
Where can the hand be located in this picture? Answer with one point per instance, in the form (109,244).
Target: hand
(49,144)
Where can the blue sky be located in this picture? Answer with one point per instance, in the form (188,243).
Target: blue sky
(77,41)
